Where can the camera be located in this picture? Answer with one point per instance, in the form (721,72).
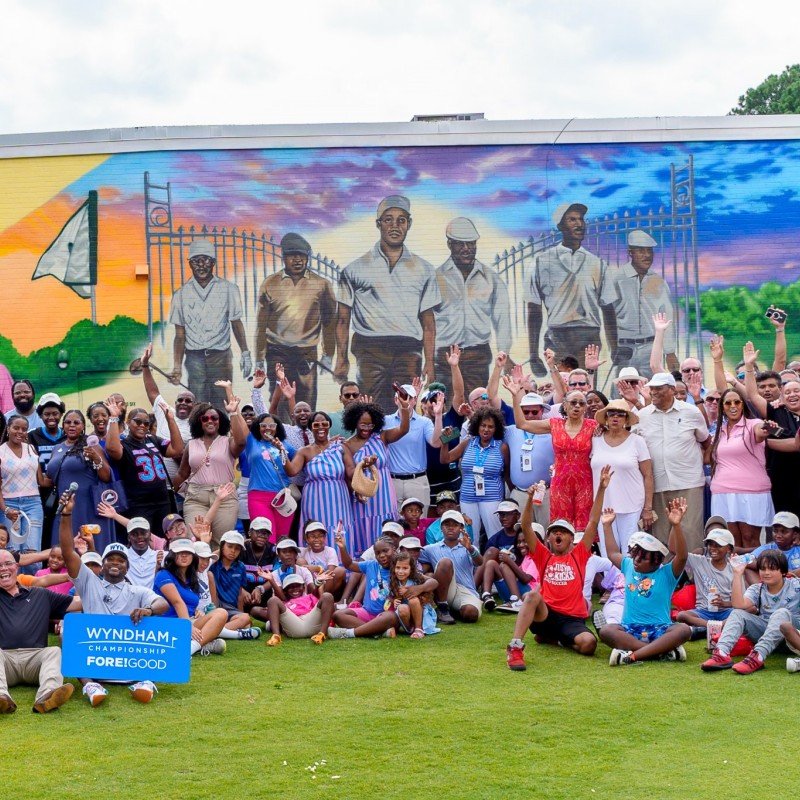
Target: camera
(775,314)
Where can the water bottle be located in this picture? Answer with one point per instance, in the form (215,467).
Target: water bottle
(538,493)
(747,558)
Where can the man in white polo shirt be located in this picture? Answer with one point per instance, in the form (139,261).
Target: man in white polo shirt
(204,311)
(676,436)
(143,560)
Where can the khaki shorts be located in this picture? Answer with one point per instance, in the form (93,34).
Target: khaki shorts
(301,627)
(458,596)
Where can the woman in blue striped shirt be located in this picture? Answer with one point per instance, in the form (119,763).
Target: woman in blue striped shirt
(484,467)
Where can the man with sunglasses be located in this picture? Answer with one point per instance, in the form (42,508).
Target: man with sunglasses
(692,373)
(204,311)
(349,393)
(296,309)
(530,457)
(389,295)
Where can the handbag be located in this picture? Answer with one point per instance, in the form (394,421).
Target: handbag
(111,493)
(51,501)
(283,502)
(363,484)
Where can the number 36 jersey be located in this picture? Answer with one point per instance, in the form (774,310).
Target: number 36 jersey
(142,470)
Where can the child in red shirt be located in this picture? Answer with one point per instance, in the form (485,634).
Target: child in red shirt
(557,611)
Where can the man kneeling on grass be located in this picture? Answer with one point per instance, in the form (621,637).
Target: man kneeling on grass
(557,613)
(646,631)
(108,593)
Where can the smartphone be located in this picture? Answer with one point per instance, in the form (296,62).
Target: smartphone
(775,314)
(401,392)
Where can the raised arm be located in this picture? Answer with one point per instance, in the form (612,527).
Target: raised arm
(113,441)
(660,325)
(72,561)
(750,355)
(613,552)
(238,427)
(344,556)
(526,522)
(456,378)
(175,447)
(676,509)
(559,388)
(150,385)
(493,387)
(393,434)
(717,348)
(597,508)
(779,361)
(532,426)
(738,599)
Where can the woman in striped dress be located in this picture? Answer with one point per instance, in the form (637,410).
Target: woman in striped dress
(369,445)
(484,466)
(326,494)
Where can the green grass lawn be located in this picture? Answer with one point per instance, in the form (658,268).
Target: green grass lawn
(440,718)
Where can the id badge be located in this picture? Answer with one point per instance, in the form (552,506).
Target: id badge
(527,462)
(480,486)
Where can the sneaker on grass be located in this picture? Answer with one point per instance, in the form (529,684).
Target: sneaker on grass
(489,602)
(515,658)
(249,633)
(751,663)
(95,693)
(341,633)
(622,658)
(793,664)
(143,691)
(217,648)
(718,661)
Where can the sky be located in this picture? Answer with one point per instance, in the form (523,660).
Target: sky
(77,64)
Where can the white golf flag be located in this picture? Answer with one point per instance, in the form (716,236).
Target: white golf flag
(72,256)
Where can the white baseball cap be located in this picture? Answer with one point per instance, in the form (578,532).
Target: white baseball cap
(720,536)
(290,580)
(563,524)
(115,547)
(182,546)
(507,505)
(204,551)
(287,544)
(629,374)
(456,516)
(410,543)
(261,524)
(661,379)
(715,520)
(137,524)
(649,542)
(532,399)
(92,558)
(393,527)
(787,519)
(410,501)
(232,537)
(315,525)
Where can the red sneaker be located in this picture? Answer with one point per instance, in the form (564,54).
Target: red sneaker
(515,658)
(716,662)
(752,662)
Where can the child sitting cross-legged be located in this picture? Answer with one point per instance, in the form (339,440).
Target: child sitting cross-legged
(646,631)
(759,612)
(298,614)
(416,614)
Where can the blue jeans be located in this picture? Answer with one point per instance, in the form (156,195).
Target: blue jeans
(32,506)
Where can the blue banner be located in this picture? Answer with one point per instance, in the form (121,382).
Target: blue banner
(108,647)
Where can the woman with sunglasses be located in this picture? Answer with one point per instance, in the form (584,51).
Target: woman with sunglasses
(740,486)
(73,461)
(208,462)
(326,493)
(267,452)
(139,459)
(630,494)
(571,494)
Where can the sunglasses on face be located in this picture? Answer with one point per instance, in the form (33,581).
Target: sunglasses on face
(712,400)
(270,426)
(140,421)
(731,403)
(578,383)
(576,402)
(691,369)
(323,424)
(209,418)
(527,411)
(616,413)
(350,395)
(483,396)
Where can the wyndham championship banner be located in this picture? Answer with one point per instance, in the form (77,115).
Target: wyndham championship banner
(110,647)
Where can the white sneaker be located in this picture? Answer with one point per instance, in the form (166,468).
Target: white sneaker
(95,693)
(249,633)
(217,647)
(621,658)
(793,664)
(680,653)
(339,633)
(143,691)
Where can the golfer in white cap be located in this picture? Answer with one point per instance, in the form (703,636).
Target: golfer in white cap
(474,306)
(388,296)
(638,294)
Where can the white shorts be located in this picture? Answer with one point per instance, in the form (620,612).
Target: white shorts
(302,627)
(458,596)
(753,509)
(241,495)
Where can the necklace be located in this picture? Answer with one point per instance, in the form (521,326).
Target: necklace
(207,459)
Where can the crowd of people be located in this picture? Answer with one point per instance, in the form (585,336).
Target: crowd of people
(674,501)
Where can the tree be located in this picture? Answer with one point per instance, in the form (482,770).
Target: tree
(778,94)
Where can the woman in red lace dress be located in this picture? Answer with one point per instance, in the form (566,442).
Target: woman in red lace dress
(571,493)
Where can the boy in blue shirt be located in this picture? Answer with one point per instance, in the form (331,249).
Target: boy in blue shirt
(646,631)
(785,533)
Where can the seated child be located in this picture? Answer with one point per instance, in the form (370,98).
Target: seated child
(56,566)
(518,574)
(445,501)
(557,611)
(258,555)
(646,630)
(713,576)
(297,613)
(321,560)
(287,552)
(759,612)
(411,597)
(785,534)
(411,518)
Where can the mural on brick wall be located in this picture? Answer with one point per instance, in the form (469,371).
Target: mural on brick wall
(367,263)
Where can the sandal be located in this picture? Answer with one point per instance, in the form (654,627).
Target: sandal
(417,633)
(319,638)
(274,640)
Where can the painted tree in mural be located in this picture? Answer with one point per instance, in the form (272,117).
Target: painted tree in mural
(778,94)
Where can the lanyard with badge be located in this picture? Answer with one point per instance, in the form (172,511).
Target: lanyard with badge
(477,470)
(526,455)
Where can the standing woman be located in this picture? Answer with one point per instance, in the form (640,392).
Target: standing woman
(98,415)
(630,494)
(740,486)
(139,459)
(326,494)
(267,453)
(368,445)
(20,475)
(484,466)
(74,461)
(209,461)
(571,494)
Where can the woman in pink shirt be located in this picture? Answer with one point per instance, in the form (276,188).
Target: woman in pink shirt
(740,486)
